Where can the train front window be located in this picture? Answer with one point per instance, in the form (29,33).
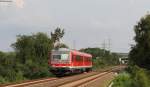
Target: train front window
(64,56)
(61,57)
(56,57)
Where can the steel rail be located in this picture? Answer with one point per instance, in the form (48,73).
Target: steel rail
(30,82)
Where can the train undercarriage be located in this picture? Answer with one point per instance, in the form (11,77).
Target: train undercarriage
(69,71)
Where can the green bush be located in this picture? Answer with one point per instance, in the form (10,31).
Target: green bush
(136,77)
(19,76)
(2,80)
(140,77)
(123,80)
(98,63)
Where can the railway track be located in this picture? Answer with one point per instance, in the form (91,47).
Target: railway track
(29,82)
(81,80)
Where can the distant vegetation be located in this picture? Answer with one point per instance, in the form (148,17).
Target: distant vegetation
(138,72)
(101,57)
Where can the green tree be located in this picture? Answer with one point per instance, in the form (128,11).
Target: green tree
(57,35)
(140,53)
(32,53)
(30,58)
(60,45)
(55,38)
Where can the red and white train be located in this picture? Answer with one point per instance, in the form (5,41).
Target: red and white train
(65,61)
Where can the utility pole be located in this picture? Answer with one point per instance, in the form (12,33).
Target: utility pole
(109,44)
(74,44)
(104,46)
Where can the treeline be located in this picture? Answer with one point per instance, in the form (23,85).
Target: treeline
(30,57)
(138,72)
(101,57)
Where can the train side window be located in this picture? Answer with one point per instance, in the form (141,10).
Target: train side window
(88,59)
(82,58)
(78,58)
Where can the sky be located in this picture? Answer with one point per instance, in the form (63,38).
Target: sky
(87,23)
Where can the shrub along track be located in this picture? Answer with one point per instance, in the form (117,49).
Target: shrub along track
(70,81)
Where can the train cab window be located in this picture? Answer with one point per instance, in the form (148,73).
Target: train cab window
(56,57)
(64,56)
(61,57)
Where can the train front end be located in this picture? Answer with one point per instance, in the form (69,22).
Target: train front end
(60,61)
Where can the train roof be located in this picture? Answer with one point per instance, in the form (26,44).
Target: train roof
(81,53)
(62,49)
(74,52)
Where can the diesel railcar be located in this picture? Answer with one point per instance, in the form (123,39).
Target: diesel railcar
(66,61)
